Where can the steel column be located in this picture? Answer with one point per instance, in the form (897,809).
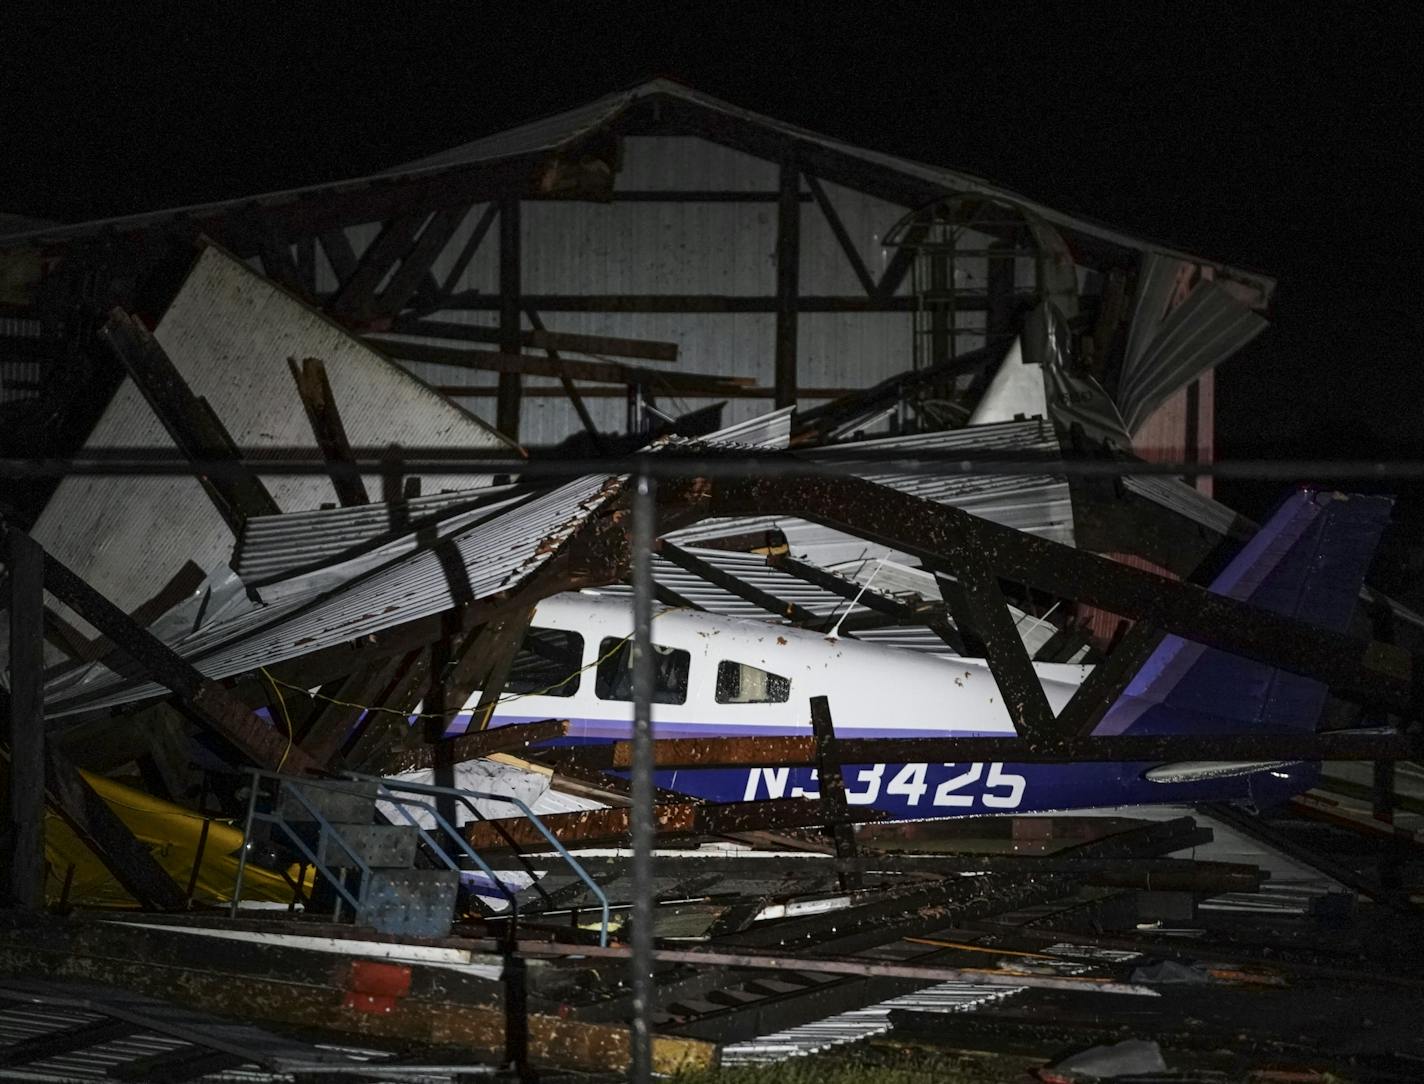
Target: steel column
(644,527)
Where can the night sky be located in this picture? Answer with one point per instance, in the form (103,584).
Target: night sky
(1269,135)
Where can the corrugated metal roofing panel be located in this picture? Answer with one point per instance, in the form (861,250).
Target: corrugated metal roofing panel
(230,332)
(1037,504)
(482,559)
(272,548)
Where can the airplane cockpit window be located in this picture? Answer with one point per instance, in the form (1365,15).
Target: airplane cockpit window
(548,663)
(614,680)
(738,683)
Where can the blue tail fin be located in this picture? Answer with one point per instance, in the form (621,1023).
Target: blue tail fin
(1308,562)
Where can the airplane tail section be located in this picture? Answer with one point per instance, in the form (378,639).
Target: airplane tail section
(1309,562)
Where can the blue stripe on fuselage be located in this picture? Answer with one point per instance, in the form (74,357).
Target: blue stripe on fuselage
(921,791)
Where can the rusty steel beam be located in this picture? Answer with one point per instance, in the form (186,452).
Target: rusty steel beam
(688,562)
(981,612)
(501,739)
(1373,673)
(315,391)
(779,752)
(206,702)
(200,435)
(339,707)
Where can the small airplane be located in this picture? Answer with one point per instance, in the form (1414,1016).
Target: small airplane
(727,677)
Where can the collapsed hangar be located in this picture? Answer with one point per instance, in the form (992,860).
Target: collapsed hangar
(609,276)
(778,267)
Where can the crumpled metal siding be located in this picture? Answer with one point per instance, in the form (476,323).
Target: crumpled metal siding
(486,550)
(1038,504)
(271,548)
(1203,331)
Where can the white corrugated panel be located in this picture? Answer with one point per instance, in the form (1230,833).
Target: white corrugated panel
(473,563)
(230,332)
(1038,504)
(570,247)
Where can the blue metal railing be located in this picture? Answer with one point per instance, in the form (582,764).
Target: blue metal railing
(393,787)
(327,834)
(399,794)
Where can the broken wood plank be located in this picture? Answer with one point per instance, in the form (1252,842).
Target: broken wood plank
(570,388)
(340,705)
(322,1006)
(207,702)
(596,391)
(541,338)
(833,219)
(315,391)
(238,493)
(606,372)
(501,641)
(689,562)
(833,793)
(355,299)
(418,261)
(101,830)
(476,745)
(982,619)
(788,277)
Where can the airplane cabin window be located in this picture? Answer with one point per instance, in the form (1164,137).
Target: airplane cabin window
(738,683)
(548,663)
(614,680)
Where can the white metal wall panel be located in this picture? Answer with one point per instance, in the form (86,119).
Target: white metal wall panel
(230,332)
(571,247)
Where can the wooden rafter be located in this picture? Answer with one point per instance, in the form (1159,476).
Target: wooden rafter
(320,405)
